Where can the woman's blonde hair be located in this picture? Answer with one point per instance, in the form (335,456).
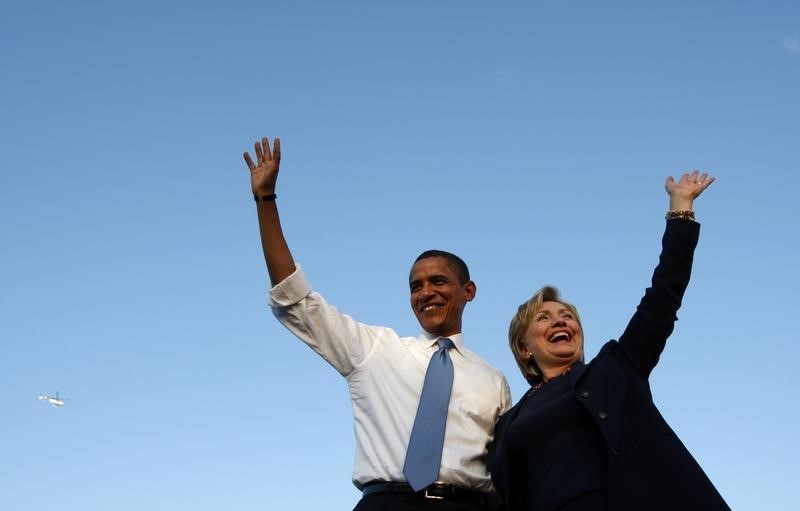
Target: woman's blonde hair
(519,327)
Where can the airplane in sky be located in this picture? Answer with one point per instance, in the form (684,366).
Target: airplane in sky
(55,401)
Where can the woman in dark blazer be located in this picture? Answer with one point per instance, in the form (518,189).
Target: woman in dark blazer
(588,436)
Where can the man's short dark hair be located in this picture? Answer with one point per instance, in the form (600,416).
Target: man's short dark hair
(456,263)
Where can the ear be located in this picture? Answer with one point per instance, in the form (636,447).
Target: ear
(470,289)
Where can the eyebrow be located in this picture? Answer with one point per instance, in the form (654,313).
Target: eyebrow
(559,311)
(429,277)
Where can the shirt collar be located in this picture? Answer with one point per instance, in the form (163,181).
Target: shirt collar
(429,341)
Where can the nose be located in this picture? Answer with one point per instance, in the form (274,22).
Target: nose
(426,290)
(558,321)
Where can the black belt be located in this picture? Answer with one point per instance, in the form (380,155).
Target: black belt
(434,491)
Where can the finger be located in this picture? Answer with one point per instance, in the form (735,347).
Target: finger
(684,178)
(669,183)
(276,151)
(267,153)
(708,182)
(249,161)
(694,176)
(259,153)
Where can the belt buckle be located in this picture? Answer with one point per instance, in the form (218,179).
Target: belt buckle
(431,496)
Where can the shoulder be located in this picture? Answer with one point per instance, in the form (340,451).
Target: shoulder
(610,353)
(609,367)
(478,377)
(608,348)
(478,363)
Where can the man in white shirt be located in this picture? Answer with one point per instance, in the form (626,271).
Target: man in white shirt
(385,372)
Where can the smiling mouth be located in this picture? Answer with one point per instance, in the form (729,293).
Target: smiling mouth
(560,337)
(431,307)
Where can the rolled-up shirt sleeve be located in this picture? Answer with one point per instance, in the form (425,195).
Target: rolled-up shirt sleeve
(338,338)
(290,290)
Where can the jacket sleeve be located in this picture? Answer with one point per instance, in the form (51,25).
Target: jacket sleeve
(646,334)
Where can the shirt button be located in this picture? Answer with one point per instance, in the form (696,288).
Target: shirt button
(602,414)
(585,394)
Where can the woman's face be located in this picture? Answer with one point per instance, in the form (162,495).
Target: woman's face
(554,337)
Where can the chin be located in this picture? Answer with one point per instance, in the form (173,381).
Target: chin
(437,330)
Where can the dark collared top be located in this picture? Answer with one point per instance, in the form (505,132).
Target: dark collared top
(647,466)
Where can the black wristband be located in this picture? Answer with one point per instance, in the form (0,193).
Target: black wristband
(264,198)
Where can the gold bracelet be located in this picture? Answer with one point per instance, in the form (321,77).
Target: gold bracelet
(682,214)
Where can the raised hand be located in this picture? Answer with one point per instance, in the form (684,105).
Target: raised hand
(684,191)
(264,173)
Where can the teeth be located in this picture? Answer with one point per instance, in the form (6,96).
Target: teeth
(559,336)
(428,308)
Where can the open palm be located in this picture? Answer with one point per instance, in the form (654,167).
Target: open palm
(264,173)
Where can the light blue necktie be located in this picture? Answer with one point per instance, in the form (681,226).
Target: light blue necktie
(424,453)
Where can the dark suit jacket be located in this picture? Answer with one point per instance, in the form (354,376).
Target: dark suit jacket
(649,469)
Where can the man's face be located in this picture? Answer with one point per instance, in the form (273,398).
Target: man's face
(437,296)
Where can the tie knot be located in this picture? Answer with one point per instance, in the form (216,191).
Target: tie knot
(445,343)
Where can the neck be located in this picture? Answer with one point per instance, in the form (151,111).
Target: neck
(555,371)
(440,334)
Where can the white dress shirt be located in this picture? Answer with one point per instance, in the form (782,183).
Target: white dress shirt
(385,373)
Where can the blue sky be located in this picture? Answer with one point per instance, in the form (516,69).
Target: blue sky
(532,138)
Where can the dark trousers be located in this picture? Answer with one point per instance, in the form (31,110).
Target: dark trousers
(589,501)
(412,502)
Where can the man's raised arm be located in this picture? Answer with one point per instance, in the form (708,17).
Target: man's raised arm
(263,176)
